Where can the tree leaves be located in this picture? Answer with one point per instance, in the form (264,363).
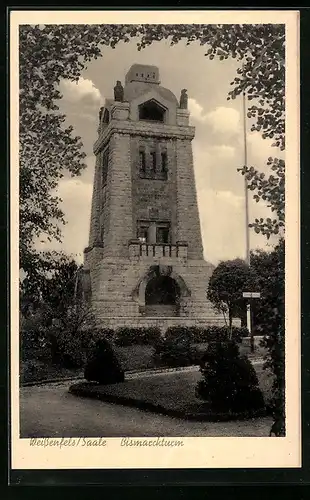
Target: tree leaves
(227,283)
(272,191)
(269,270)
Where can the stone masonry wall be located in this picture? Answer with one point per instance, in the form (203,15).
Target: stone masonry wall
(188,223)
(196,275)
(153,199)
(161,323)
(120,197)
(114,275)
(114,282)
(94,230)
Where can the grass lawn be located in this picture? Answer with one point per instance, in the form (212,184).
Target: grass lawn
(136,357)
(36,371)
(131,358)
(172,394)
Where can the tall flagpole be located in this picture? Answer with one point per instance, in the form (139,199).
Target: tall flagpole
(246,192)
(246,201)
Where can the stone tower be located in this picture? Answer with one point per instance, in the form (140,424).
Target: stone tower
(144,264)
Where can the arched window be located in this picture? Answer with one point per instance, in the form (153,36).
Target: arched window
(106,116)
(152,111)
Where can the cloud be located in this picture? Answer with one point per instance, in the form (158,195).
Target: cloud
(222,219)
(80,104)
(222,119)
(83,90)
(76,196)
(86,116)
(221,203)
(230,198)
(196,110)
(87,175)
(260,149)
(216,167)
(222,151)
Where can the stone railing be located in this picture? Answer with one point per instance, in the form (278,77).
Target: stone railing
(139,250)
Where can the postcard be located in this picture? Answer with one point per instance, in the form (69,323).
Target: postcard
(155,287)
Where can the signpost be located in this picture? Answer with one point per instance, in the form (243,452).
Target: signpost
(250,296)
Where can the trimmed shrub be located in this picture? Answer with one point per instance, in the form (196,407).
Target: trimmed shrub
(128,336)
(196,334)
(151,335)
(221,333)
(178,332)
(70,349)
(102,365)
(175,348)
(65,348)
(229,382)
(239,332)
(211,333)
(92,335)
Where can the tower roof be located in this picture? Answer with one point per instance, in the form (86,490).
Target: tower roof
(142,73)
(140,79)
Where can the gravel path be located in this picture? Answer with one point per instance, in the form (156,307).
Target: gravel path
(50,411)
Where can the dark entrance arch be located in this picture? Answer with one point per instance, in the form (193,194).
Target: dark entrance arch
(162,294)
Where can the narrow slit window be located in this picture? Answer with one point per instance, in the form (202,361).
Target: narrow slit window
(164,162)
(142,164)
(105,165)
(153,161)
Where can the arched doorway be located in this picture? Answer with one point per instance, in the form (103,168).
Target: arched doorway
(162,295)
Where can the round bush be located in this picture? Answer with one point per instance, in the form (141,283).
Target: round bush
(151,335)
(229,381)
(175,349)
(102,365)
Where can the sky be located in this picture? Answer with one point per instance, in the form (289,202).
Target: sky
(218,146)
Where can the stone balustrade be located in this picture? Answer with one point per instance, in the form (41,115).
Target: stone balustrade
(139,250)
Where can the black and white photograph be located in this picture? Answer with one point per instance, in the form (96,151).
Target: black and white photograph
(156,230)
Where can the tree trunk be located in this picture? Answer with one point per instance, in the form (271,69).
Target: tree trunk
(230,323)
(224,316)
